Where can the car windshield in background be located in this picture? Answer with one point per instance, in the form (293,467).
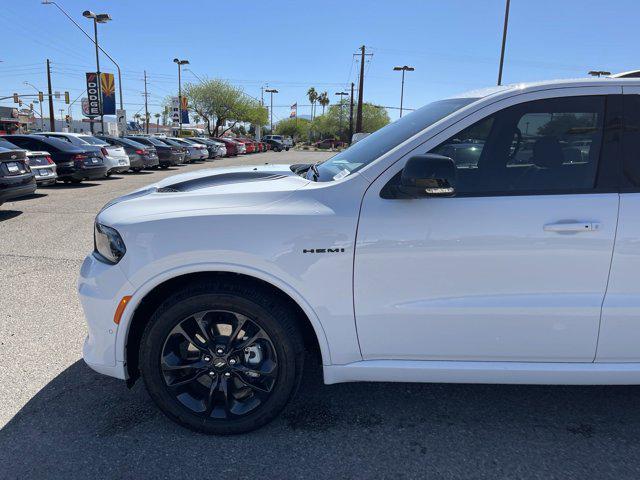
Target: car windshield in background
(131,143)
(156,142)
(93,140)
(8,145)
(378,143)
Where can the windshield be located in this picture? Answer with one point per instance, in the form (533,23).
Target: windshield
(378,143)
(93,140)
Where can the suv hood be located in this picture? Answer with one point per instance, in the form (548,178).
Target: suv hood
(199,192)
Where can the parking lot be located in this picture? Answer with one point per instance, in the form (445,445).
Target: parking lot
(62,420)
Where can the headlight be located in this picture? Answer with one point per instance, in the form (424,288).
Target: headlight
(108,244)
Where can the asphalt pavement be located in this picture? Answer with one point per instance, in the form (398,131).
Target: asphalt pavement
(59,419)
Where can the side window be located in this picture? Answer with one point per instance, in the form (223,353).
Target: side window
(631,143)
(550,145)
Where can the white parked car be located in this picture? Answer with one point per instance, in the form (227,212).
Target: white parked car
(466,242)
(115,158)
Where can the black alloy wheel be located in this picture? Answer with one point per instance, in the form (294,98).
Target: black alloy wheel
(221,359)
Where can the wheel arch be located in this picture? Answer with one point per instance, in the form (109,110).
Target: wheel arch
(154,292)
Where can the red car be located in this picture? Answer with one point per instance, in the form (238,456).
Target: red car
(232,149)
(251,147)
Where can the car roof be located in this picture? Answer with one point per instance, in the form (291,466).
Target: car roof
(548,84)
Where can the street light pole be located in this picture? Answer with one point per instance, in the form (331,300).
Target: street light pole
(271,91)
(405,68)
(180,63)
(504,40)
(47,2)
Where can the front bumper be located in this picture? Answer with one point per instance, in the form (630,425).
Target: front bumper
(100,288)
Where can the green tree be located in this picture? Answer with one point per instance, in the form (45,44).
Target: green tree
(219,103)
(335,123)
(296,128)
(312,95)
(323,99)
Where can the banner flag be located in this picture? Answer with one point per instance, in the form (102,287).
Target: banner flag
(294,110)
(92,95)
(184,112)
(108,87)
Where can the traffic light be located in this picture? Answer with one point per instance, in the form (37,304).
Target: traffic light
(40,96)
(16,98)
(67,118)
(66,98)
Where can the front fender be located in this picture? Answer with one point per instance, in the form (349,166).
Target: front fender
(141,292)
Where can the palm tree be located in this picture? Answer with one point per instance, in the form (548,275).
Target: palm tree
(157,115)
(313,96)
(323,99)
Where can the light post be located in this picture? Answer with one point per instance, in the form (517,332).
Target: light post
(504,40)
(179,62)
(341,95)
(403,69)
(47,2)
(271,91)
(97,18)
(39,103)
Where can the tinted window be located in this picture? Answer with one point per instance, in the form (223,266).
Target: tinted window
(92,140)
(5,144)
(631,143)
(545,145)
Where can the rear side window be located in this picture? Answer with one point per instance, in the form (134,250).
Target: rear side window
(631,143)
(543,146)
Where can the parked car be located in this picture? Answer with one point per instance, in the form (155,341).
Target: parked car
(140,156)
(199,143)
(231,146)
(40,164)
(276,146)
(183,149)
(422,270)
(286,142)
(250,145)
(167,155)
(195,152)
(16,178)
(115,158)
(74,164)
(218,148)
(328,143)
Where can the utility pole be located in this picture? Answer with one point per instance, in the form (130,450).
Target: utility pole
(504,41)
(271,91)
(360,90)
(52,120)
(146,110)
(351,114)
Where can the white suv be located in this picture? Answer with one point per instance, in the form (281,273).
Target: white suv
(490,238)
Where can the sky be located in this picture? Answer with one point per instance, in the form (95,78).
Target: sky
(454,46)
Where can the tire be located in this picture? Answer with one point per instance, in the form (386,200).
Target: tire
(164,167)
(251,403)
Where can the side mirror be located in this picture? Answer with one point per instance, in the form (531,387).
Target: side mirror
(427,175)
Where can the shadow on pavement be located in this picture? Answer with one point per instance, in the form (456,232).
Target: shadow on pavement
(30,197)
(9,214)
(84,425)
(62,185)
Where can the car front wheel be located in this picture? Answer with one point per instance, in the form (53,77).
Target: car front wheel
(222,358)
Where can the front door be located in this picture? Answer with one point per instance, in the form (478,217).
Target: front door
(515,266)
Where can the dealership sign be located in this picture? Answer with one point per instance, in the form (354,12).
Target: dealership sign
(93,95)
(108,90)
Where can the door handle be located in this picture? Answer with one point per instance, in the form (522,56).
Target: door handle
(572,227)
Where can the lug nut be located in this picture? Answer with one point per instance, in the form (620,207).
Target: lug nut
(219,351)
(232,361)
(207,359)
(212,373)
(227,374)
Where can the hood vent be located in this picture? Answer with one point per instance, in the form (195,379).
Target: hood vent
(221,179)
